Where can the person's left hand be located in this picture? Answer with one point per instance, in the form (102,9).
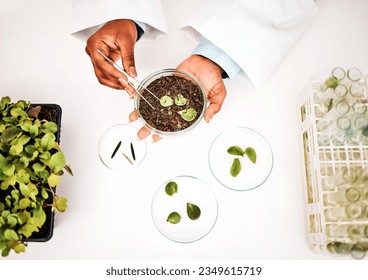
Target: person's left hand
(209,74)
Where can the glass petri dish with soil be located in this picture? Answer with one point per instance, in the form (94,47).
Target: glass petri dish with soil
(172,102)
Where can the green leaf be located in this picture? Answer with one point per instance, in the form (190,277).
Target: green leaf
(29,228)
(251,153)
(11,235)
(22,176)
(16,149)
(10,133)
(171,188)
(57,162)
(61,204)
(180,100)
(12,221)
(9,171)
(33,191)
(5,252)
(22,104)
(38,167)
(18,112)
(26,125)
(47,141)
(4,101)
(24,203)
(166,101)
(19,248)
(49,127)
(53,180)
(24,139)
(45,157)
(331,82)
(24,189)
(9,181)
(33,130)
(193,211)
(44,174)
(235,167)
(24,162)
(44,193)
(173,218)
(236,151)
(188,114)
(39,216)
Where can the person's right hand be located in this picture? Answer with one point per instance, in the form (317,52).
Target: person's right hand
(116,39)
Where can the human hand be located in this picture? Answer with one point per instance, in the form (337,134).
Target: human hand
(209,74)
(116,39)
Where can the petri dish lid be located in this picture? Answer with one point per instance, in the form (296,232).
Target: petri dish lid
(252,175)
(119,148)
(190,190)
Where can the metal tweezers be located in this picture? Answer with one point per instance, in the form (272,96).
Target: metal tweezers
(129,82)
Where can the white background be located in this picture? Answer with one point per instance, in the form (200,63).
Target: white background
(109,213)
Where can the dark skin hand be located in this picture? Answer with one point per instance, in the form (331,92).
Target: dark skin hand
(116,39)
(209,74)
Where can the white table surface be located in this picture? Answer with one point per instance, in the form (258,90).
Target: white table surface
(109,213)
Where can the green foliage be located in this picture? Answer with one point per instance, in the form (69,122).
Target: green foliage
(237,151)
(180,100)
(193,211)
(188,114)
(235,167)
(171,188)
(173,218)
(166,101)
(31,163)
(251,153)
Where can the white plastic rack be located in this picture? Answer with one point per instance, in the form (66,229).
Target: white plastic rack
(335,166)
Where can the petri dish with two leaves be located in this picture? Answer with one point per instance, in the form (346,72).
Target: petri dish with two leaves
(251,174)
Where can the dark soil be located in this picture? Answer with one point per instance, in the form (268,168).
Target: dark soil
(47,113)
(166,118)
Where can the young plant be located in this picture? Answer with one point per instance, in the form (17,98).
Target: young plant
(31,164)
(188,114)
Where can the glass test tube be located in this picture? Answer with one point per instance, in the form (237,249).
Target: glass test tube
(341,197)
(344,213)
(352,231)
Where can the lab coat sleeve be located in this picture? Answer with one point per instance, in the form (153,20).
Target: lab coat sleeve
(89,15)
(255,34)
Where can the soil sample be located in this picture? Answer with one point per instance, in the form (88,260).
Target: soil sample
(179,105)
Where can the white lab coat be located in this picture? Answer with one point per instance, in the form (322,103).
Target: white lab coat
(255,34)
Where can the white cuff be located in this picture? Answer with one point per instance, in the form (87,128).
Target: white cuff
(211,51)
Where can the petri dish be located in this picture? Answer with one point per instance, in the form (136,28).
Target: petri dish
(119,148)
(189,190)
(252,175)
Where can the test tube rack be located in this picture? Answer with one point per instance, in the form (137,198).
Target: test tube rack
(322,162)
